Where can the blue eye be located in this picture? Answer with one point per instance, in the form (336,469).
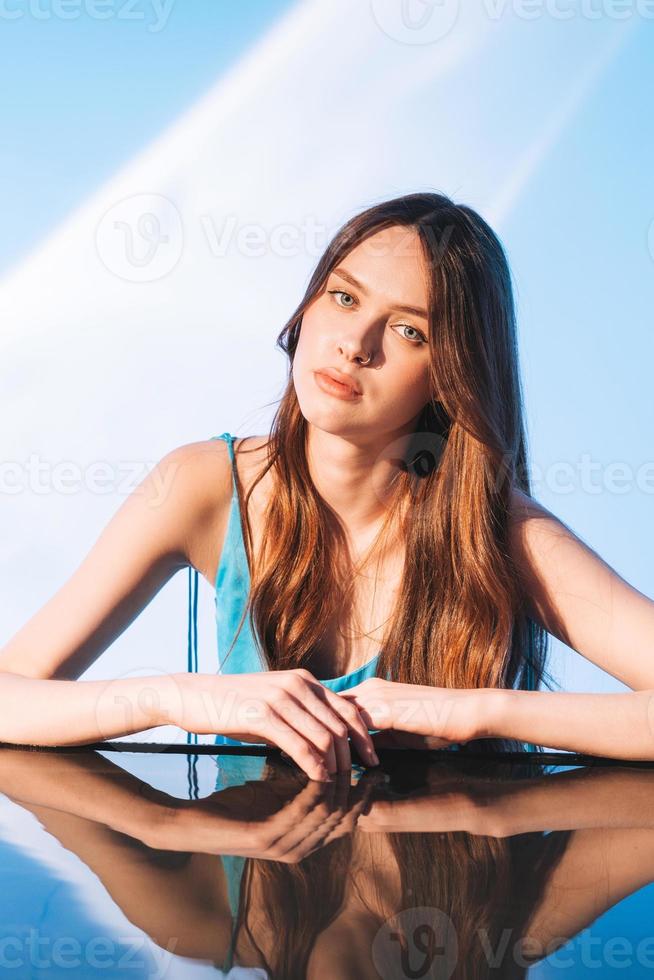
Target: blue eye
(421,339)
(341,291)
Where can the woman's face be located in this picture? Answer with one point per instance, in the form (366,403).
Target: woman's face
(359,314)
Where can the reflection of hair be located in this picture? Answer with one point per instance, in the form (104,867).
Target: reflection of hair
(461,619)
(486,889)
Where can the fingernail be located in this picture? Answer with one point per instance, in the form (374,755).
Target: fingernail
(374,757)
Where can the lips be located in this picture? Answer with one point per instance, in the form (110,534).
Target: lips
(341,378)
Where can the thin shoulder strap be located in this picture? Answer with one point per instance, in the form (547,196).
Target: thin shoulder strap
(192,641)
(192,737)
(229,439)
(192,631)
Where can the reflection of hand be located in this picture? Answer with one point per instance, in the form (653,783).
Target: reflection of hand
(261,819)
(426,814)
(441,713)
(282,815)
(569,800)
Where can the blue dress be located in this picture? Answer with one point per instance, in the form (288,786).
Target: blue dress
(231,593)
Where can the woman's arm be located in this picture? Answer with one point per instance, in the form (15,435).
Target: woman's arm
(154,533)
(284,821)
(582,601)
(618,726)
(147,540)
(579,598)
(57,712)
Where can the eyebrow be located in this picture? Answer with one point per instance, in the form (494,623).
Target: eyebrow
(344,274)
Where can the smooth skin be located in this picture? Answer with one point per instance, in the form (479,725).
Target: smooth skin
(177,517)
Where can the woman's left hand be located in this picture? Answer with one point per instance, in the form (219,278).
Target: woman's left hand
(436,715)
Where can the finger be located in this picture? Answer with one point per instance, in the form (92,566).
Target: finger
(358,802)
(375,713)
(291,840)
(351,715)
(346,799)
(299,748)
(302,716)
(302,843)
(310,695)
(348,823)
(306,844)
(285,711)
(334,721)
(309,807)
(343,791)
(309,834)
(299,808)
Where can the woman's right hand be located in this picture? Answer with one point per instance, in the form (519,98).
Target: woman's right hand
(290,709)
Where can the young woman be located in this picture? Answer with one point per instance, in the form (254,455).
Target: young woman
(378,559)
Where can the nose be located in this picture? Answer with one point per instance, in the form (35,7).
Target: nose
(358,345)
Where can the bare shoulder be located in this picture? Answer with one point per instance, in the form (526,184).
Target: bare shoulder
(578,597)
(204,470)
(541,543)
(252,449)
(198,475)
(201,473)
(533,528)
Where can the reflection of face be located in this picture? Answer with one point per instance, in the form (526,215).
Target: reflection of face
(345,323)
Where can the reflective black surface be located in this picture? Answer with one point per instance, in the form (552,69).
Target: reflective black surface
(142,861)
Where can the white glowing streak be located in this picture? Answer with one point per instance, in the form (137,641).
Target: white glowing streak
(169,150)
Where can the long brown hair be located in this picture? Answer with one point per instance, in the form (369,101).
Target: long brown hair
(461,618)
